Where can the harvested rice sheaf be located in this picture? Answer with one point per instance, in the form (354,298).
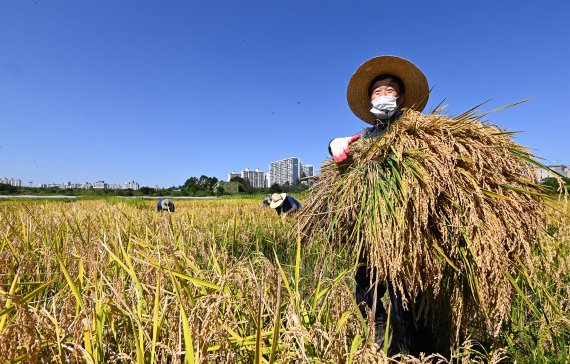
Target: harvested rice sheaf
(445,209)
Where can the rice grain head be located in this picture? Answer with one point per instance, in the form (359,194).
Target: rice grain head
(444,207)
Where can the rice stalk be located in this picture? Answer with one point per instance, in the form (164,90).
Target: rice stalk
(155,319)
(276,324)
(444,208)
(189,356)
(8,305)
(258,345)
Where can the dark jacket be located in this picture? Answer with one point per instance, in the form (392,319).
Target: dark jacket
(288,206)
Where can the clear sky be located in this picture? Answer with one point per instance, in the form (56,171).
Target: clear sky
(159,91)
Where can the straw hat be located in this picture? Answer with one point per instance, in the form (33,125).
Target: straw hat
(415,84)
(277,199)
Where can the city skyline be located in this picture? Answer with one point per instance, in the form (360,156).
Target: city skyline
(101,184)
(560,168)
(280,172)
(252,177)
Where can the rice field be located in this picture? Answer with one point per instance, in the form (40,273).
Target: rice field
(219,281)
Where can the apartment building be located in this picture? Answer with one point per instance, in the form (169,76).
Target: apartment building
(284,171)
(256,178)
(131,185)
(307,170)
(100,185)
(561,169)
(11,181)
(233,174)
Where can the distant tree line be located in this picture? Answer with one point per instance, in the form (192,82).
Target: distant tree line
(194,186)
(6,189)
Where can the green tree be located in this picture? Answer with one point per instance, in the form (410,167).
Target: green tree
(244,185)
(191,182)
(207,182)
(7,189)
(147,191)
(202,186)
(275,188)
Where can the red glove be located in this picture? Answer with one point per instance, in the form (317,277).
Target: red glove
(340,147)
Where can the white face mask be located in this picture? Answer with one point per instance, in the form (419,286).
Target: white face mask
(384,106)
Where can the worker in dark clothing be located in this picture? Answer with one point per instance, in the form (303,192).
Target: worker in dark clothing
(284,204)
(165,205)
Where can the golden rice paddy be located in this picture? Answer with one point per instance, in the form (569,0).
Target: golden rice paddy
(218,281)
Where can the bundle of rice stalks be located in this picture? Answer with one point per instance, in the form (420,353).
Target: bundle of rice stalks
(445,208)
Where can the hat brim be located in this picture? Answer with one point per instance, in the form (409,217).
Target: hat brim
(415,84)
(276,204)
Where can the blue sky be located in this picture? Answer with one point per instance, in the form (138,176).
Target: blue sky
(159,91)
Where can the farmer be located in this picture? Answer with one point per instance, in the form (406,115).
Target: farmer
(378,92)
(165,205)
(284,204)
(266,202)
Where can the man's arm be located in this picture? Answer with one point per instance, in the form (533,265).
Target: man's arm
(293,205)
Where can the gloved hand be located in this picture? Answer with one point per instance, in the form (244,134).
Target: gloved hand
(340,147)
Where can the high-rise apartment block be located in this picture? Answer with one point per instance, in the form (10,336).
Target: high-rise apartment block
(233,174)
(306,170)
(97,185)
(256,178)
(561,169)
(131,185)
(100,185)
(69,185)
(558,168)
(285,171)
(11,181)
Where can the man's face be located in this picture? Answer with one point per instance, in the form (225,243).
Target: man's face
(387,87)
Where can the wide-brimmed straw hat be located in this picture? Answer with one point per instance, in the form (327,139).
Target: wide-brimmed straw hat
(415,84)
(277,199)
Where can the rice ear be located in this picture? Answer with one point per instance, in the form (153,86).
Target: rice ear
(442,206)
